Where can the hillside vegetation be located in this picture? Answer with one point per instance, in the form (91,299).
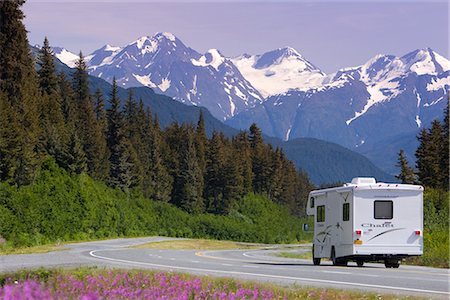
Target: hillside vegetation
(64,207)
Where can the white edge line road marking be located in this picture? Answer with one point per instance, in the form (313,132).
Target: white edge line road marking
(337,272)
(92,253)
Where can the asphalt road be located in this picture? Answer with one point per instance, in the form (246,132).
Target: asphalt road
(258,265)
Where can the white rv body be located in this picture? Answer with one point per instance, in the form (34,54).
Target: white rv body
(367,221)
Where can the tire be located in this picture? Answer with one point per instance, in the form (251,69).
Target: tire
(359,263)
(316,260)
(333,257)
(392,264)
(337,261)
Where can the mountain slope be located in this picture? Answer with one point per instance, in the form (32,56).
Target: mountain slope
(364,108)
(279,71)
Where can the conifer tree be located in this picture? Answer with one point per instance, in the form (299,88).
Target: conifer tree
(233,182)
(215,181)
(189,178)
(68,107)
(276,174)
(19,85)
(406,174)
(88,129)
(54,132)
(120,174)
(48,81)
(75,159)
(99,109)
(134,133)
(445,148)
(429,155)
(260,160)
(244,159)
(159,180)
(201,141)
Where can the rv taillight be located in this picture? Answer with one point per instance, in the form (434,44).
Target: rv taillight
(358,232)
(417,232)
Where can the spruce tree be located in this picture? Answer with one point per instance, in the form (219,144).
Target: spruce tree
(88,129)
(54,132)
(159,180)
(75,159)
(189,178)
(68,104)
(120,169)
(215,177)
(244,159)
(48,81)
(276,176)
(201,142)
(260,160)
(429,155)
(406,174)
(233,182)
(19,85)
(445,148)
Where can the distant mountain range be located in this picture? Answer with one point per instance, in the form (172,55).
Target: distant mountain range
(375,109)
(163,63)
(323,161)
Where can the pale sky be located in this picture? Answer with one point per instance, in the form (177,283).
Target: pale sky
(331,34)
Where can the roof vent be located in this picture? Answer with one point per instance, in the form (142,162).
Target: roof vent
(363,180)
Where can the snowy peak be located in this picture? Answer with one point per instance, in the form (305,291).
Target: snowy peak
(162,44)
(103,56)
(211,58)
(425,61)
(65,56)
(278,71)
(276,57)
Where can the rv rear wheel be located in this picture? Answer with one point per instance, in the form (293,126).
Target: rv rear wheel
(391,264)
(359,263)
(316,260)
(337,261)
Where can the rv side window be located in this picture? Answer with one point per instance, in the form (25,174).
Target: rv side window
(321,213)
(383,209)
(346,212)
(311,202)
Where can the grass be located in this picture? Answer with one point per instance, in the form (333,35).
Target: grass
(197,244)
(305,255)
(7,250)
(85,274)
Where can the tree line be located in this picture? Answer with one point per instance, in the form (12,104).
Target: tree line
(432,156)
(44,114)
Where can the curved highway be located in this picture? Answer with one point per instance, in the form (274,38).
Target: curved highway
(258,265)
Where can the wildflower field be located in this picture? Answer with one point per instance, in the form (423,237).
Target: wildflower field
(90,284)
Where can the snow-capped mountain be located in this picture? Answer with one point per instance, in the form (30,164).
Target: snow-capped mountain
(376,108)
(163,63)
(278,71)
(65,56)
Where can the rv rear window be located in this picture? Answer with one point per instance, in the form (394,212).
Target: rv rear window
(321,213)
(346,212)
(383,209)
(312,202)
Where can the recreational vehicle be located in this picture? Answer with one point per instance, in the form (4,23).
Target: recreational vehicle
(366,221)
